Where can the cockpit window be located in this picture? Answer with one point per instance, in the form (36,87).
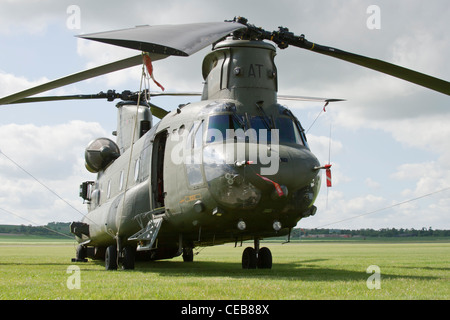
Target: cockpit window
(258,123)
(262,129)
(218,126)
(223,126)
(288,130)
(194,154)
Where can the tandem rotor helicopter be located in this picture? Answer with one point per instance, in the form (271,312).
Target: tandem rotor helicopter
(233,167)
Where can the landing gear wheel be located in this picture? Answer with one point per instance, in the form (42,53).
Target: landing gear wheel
(264,258)
(111,258)
(129,253)
(249,258)
(188,254)
(81,254)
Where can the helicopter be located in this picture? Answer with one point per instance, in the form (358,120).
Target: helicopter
(233,167)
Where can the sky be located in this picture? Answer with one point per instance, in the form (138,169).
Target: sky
(388,143)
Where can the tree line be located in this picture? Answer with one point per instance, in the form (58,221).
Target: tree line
(52,229)
(385,232)
(57,229)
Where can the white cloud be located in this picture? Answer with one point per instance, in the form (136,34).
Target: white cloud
(372,183)
(30,17)
(54,155)
(11,83)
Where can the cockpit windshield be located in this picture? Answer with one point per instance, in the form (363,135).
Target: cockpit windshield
(225,126)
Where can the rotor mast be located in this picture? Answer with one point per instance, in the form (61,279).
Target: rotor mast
(242,70)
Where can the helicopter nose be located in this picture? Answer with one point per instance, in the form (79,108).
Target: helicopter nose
(296,169)
(238,181)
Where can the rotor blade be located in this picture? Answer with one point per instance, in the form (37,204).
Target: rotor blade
(302,98)
(80,76)
(174,94)
(387,68)
(280,96)
(283,38)
(59,98)
(178,40)
(110,95)
(157,111)
(103,95)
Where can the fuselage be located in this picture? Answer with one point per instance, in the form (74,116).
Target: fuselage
(232,167)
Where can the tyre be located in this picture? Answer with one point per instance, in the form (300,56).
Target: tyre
(111,258)
(264,258)
(188,254)
(129,254)
(249,258)
(81,254)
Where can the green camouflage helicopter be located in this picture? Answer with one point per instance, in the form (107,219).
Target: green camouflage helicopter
(233,167)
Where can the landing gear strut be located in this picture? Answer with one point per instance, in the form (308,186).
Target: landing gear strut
(253,258)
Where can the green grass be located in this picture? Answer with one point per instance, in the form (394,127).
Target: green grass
(32,239)
(300,271)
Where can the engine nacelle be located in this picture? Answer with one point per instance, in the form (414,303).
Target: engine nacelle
(100,153)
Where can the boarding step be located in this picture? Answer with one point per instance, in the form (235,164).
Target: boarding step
(143,218)
(146,236)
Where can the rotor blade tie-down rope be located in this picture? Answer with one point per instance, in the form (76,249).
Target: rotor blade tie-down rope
(131,151)
(276,185)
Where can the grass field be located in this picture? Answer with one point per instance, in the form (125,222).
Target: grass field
(308,270)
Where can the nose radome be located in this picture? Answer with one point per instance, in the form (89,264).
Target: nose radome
(303,163)
(295,169)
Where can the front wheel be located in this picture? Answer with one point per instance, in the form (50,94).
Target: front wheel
(264,258)
(249,258)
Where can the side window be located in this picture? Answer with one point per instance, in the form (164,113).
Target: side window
(136,170)
(121,181)
(198,138)
(108,191)
(194,147)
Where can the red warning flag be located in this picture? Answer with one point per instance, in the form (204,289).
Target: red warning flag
(148,64)
(328,174)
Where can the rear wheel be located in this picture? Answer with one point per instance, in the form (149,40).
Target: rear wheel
(129,254)
(188,254)
(81,254)
(111,258)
